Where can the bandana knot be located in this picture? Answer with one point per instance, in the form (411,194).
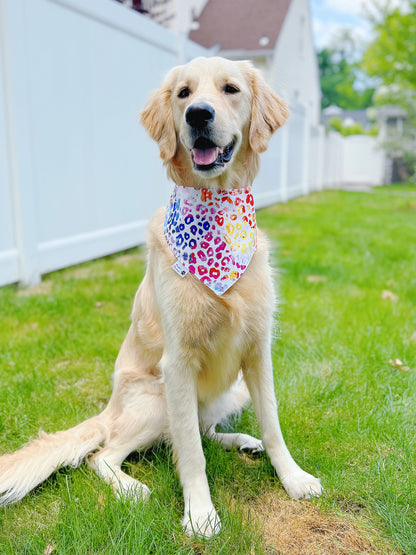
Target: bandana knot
(212,233)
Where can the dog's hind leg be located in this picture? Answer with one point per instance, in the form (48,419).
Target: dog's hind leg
(140,425)
(243,442)
(229,403)
(137,408)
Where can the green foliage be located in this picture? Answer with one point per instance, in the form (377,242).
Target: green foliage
(391,57)
(338,78)
(409,159)
(337,124)
(354,129)
(373,131)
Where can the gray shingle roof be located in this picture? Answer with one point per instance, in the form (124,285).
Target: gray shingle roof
(241,24)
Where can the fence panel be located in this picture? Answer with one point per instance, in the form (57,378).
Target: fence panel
(316,152)
(268,183)
(296,152)
(332,159)
(9,267)
(363,160)
(95,173)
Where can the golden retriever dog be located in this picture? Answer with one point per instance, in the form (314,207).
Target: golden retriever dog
(199,344)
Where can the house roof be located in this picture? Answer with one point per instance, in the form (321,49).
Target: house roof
(357,116)
(241,24)
(391,111)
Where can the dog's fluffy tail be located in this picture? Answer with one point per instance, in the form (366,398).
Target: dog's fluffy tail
(23,470)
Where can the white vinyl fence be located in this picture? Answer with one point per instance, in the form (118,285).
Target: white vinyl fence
(79,178)
(302,158)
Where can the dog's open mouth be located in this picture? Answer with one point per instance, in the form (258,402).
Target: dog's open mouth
(206,155)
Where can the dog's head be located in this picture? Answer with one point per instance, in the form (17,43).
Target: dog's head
(210,118)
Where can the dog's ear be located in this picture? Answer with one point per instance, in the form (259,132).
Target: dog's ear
(157,118)
(268,112)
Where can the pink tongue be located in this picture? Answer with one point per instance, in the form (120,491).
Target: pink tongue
(204,157)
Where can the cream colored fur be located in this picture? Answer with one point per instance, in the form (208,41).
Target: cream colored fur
(190,358)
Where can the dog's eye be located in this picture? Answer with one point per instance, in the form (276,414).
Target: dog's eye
(183,93)
(231,89)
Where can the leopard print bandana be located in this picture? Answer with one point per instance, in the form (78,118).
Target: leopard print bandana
(212,233)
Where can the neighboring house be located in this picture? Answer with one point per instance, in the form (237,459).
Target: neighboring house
(391,121)
(276,35)
(348,117)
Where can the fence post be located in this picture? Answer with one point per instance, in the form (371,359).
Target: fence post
(16,78)
(340,173)
(321,157)
(306,147)
(284,131)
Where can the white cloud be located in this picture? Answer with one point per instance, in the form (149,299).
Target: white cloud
(327,33)
(353,7)
(361,7)
(331,17)
(322,31)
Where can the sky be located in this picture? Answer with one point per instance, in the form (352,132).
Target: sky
(330,16)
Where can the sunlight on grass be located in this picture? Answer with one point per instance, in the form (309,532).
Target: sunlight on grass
(346,412)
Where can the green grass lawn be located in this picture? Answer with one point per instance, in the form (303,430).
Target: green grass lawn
(347,278)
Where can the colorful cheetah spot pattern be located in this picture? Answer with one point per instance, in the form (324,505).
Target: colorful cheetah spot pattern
(212,233)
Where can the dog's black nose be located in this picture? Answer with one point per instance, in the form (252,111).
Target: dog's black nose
(199,115)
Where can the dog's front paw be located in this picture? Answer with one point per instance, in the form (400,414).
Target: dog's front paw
(301,485)
(202,523)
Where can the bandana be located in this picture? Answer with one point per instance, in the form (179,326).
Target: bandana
(212,233)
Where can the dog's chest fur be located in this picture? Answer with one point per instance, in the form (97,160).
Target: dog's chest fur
(215,334)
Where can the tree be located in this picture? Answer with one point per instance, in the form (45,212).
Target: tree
(391,57)
(338,81)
